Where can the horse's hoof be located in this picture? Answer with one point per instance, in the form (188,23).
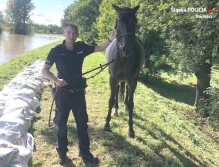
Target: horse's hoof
(132,134)
(107,129)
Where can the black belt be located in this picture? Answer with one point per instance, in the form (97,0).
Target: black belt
(74,90)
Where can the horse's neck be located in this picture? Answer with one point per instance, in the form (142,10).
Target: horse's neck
(140,50)
(112,51)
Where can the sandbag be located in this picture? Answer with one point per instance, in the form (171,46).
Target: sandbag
(15,105)
(13,155)
(16,125)
(6,156)
(26,141)
(8,135)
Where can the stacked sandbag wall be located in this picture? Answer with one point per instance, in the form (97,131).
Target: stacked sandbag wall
(19,101)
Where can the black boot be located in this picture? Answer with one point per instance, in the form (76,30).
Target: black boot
(62,157)
(89,157)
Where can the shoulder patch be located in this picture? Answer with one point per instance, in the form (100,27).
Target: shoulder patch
(48,61)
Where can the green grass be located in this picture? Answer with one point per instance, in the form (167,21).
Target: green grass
(168,131)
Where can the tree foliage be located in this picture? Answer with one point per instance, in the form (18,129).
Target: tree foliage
(107,20)
(174,41)
(190,38)
(47,29)
(18,15)
(1,18)
(1,21)
(84,13)
(211,105)
(155,47)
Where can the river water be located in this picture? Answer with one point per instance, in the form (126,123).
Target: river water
(12,45)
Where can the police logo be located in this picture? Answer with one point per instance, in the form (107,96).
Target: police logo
(80,52)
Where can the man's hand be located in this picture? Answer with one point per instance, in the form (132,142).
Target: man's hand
(61,82)
(106,43)
(113,34)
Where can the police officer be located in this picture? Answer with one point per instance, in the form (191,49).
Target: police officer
(69,57)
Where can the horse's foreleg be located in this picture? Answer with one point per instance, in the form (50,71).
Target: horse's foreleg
(113,87)
(130,106)
(116,106)
(126,98)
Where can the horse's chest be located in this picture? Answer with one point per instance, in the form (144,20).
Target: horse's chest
(124,70)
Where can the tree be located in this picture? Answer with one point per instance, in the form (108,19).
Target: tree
(107,18)
(18,15)
(84,14)
(48,29)
(155,47)
(1,21)
(191,40)
(1,18)
(176,40)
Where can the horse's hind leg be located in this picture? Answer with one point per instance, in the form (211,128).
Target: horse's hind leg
(122,91)
(113,87)
(130,105)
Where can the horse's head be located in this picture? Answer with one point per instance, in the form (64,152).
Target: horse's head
(125,25)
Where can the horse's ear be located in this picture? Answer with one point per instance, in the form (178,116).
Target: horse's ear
(136,8)
(118,9)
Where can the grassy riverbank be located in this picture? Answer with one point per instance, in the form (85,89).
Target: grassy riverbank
(10,69)
(168,131)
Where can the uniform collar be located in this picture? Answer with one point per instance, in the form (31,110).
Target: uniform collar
(63,45)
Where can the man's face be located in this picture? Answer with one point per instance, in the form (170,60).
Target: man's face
(70,34)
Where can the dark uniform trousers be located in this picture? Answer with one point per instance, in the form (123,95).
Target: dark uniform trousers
(75,101)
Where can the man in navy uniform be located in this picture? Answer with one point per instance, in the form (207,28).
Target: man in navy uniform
(69,57)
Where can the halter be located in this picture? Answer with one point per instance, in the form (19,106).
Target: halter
(126,33)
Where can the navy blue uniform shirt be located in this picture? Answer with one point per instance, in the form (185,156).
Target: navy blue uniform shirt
(69,63)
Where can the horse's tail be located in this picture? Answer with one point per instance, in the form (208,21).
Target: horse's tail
(122,91)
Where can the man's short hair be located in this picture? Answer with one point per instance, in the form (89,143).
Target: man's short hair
(71,25)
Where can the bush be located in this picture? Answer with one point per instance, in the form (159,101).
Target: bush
(212,107)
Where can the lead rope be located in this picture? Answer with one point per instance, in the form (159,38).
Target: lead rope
(102,67)
(53,100)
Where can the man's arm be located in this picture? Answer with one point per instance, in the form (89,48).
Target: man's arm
(46,71)
(101,47)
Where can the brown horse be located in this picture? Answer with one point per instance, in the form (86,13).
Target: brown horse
(128,52)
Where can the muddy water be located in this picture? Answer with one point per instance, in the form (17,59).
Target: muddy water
(12,45)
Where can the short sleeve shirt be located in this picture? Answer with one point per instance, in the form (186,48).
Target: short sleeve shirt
(69,63)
